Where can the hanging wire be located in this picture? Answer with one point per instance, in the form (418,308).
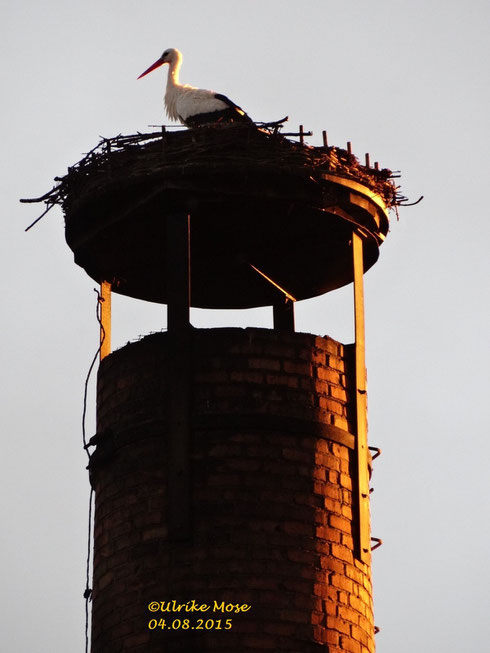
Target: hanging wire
(94,360)
(87,595)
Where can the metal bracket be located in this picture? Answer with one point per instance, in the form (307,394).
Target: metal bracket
(377,450)
(378,541)
(99,437)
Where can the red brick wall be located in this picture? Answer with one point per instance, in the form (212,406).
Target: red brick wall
(271,487)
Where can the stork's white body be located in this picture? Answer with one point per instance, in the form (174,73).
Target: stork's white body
(191,105)
(183,101)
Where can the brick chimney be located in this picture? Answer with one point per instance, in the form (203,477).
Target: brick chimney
(231,471)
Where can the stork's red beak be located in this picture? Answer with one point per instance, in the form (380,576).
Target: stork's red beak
(157,64)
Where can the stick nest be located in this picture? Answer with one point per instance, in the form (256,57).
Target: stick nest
(217,147)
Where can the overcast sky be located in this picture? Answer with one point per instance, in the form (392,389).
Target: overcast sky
(406,81)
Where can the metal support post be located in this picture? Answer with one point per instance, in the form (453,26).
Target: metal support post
(283,315)
(361,402)
(180,364)
(178,271)
(105,319)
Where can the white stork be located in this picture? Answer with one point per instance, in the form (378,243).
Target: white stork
(194,106)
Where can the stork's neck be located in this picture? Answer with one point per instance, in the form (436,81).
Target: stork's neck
(173,73)
(174,89)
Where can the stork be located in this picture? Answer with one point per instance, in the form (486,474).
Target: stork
(194,106)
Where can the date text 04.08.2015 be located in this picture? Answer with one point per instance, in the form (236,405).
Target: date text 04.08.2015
(187,624)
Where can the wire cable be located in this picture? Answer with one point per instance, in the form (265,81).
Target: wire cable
(87,595)
(94,360)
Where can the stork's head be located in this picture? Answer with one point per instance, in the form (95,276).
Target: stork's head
(170,56)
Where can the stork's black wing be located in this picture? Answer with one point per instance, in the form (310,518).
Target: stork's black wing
(236,113)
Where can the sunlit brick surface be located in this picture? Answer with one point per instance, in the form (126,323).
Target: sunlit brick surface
(271,483)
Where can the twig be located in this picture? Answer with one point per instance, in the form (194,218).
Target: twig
(402,202)
(41,216)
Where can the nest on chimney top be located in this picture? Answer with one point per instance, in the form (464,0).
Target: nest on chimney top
(214,148)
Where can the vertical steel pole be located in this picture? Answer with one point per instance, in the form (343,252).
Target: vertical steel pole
(105,319)
(180,364)
(178,271)
(361,402)
(283,315)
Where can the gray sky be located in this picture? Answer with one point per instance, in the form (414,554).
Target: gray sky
(405,81)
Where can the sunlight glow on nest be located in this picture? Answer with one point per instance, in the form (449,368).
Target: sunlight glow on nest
(215,148)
